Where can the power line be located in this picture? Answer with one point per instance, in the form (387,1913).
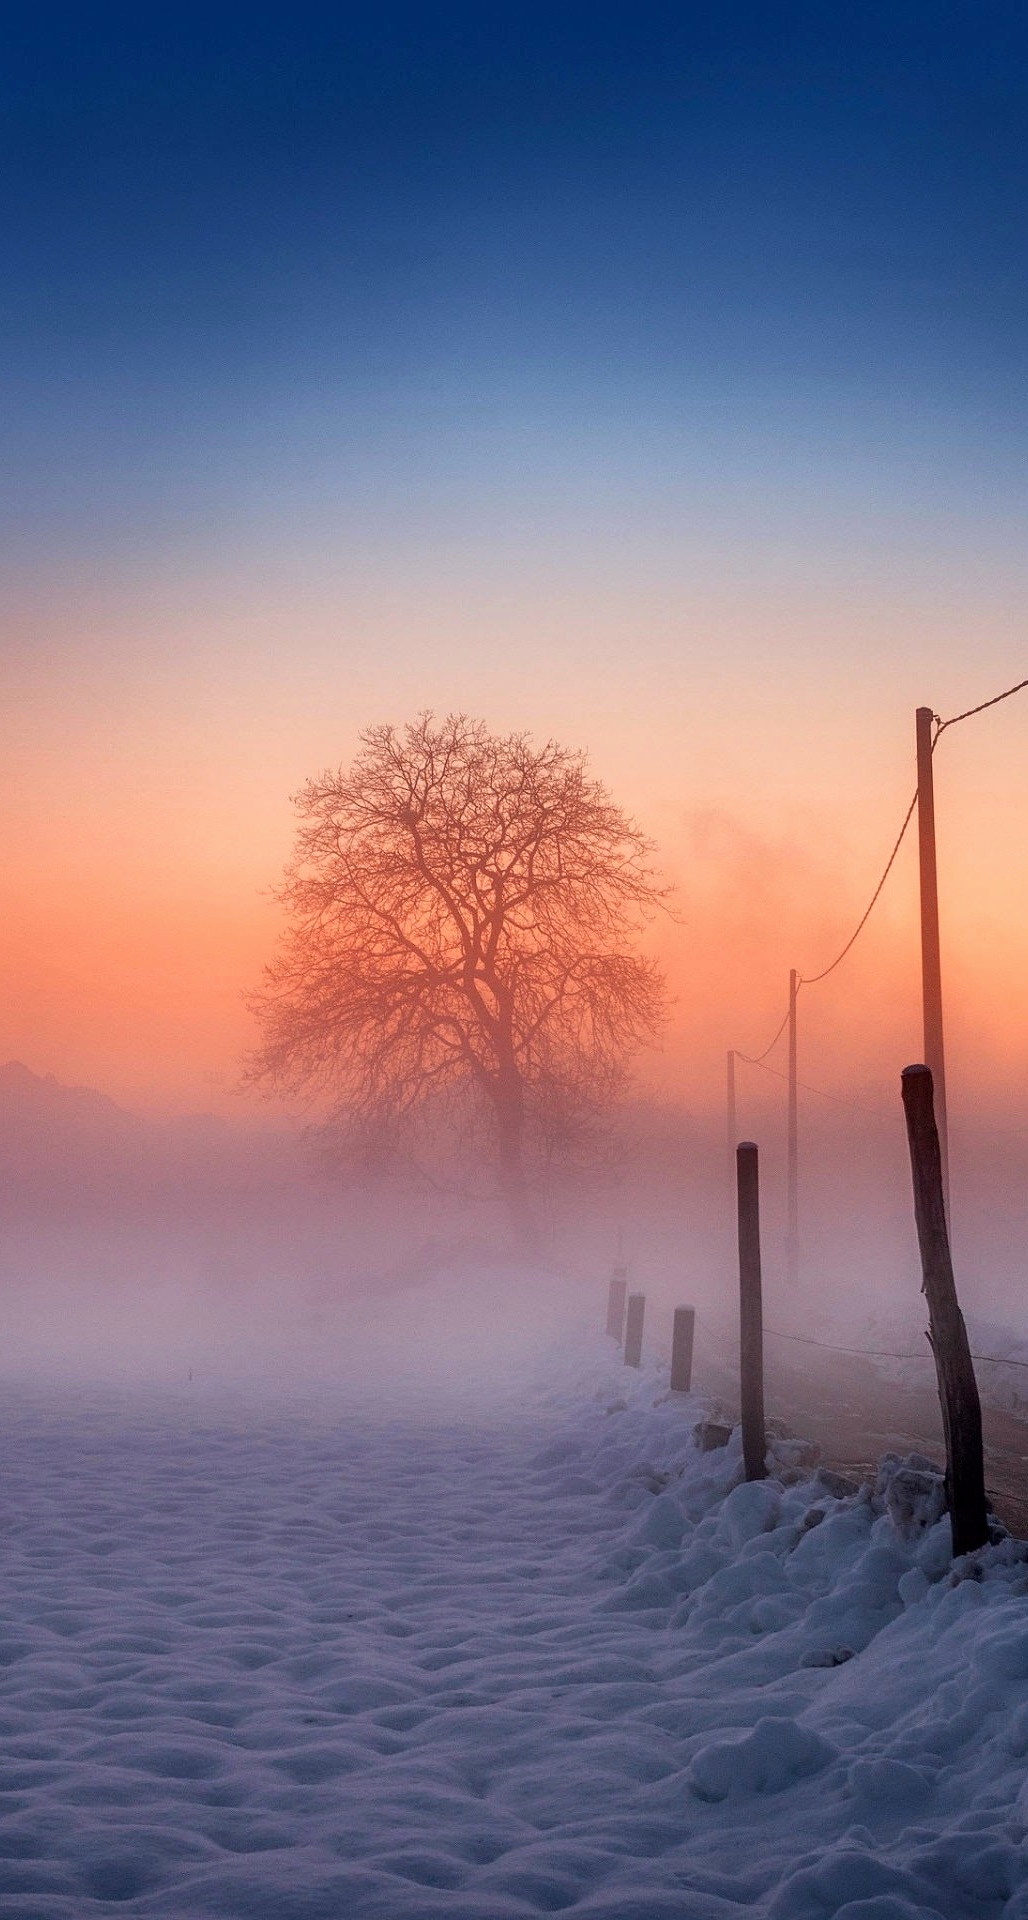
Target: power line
(811,980)
(879,1353)
(880,1113)
(981,708)
(829,1346)
(757,1060)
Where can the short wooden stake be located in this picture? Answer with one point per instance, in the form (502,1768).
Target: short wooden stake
(616,1305)
(634,1329)
(681,1349)
(751,1322)
(954,1368)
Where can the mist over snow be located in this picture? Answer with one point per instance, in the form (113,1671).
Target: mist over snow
(349,1575)
(136,1249)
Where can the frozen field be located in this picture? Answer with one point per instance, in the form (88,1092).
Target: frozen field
(331,1665)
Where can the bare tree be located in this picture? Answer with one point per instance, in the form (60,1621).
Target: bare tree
(462,919)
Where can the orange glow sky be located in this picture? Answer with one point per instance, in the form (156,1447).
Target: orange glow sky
(152,735)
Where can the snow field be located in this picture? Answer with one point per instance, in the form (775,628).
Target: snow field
(336,1665)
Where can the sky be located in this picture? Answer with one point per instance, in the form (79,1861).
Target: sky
(652,378)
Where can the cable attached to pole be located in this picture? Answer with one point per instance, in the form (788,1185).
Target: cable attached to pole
(812,979)
(756,1060)
(941,725)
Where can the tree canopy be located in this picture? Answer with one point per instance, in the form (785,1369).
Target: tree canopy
(462,916)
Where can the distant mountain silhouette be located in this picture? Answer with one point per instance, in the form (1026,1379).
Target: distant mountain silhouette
(67,1140)
(40,1100)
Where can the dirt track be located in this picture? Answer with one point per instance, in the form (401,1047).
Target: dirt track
(855,1416)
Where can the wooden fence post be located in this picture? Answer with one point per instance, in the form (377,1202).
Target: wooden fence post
(616,1305)
(751,1322)
(681,1349)
(954,1368)
(634,1329)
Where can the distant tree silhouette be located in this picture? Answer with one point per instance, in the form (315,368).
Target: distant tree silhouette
(462,919)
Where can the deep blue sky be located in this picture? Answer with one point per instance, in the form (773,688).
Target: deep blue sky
(226,223)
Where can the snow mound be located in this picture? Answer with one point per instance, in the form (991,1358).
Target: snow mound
(777,1752)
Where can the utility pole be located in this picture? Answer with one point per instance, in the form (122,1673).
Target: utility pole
(732,1123)
(792,1244)
(931,968)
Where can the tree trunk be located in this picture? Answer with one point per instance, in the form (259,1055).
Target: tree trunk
(508,1093)
(515,1192)
(510,1120)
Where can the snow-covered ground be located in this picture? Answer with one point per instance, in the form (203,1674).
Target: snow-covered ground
(329,1662)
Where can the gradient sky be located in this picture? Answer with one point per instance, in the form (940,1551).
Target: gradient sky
(652,377)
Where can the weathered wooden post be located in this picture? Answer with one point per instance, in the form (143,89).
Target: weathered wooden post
(616,1304)
(958,1388)
(751,1320)
(634,1329)
(681,1349)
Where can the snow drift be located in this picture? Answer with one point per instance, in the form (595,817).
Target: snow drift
(326,1664)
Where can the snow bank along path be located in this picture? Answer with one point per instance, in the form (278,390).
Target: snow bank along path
(328,1667)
